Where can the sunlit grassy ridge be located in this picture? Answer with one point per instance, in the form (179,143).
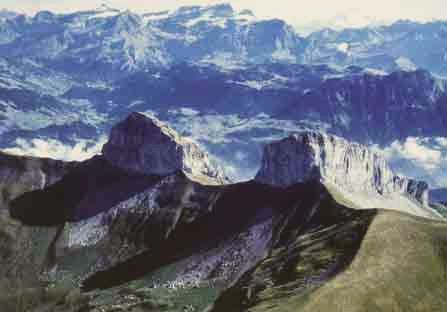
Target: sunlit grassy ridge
(399,264)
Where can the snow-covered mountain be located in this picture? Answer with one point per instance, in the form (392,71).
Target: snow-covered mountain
(107,41)
(403,45)
(65,79)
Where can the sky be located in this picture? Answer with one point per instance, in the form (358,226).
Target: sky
(314,13)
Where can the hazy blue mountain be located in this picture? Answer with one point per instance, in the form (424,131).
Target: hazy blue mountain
(218,76)
(403,45)
(106,41)
(232,112)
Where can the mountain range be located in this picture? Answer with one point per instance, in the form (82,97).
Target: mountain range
(108,40)
(220,77)
(203,159)
(129,231)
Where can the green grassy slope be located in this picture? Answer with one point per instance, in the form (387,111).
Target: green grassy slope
(399,263)
(401,266)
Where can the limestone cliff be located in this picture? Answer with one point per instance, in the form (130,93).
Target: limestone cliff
(352,168)
(143,144)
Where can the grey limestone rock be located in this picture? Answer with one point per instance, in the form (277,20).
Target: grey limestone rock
(311,155)
(146,145)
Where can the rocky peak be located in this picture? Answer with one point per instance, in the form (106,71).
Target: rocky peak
(351,167)
(45,17)
(220,10)
(192,15)
(146,145)
(247,12)
(6,15)
(106,8)
(126,22)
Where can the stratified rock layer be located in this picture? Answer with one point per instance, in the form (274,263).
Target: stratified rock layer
(351,167)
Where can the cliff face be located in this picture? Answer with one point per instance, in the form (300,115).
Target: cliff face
(145,145)
(348,166)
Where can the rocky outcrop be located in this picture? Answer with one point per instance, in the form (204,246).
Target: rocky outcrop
(413,188)
(23,174)
(350,166)
(143,144)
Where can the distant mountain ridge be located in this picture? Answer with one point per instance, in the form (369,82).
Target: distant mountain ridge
(216,34)
(65,79)
(242,107)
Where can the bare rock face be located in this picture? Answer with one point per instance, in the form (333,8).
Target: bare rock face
(290,161)
(146,145)
(350,167)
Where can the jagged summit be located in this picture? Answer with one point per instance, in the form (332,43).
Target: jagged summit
(6,14)
(223,9)
(104,7)
(360,174)
(247,12)
(44,17)
(144,144)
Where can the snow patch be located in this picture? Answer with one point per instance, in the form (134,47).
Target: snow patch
(283,53)
(405,64)
(226,61)
(185,111)
(207,18)
(375,72)
(276,82)
(156,16)
(344,47)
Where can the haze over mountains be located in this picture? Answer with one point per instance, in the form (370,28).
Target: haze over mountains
(214,33)
(66,78)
